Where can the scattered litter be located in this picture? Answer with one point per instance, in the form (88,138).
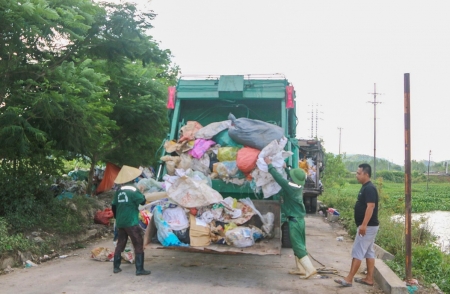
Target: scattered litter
(29,263)
(340,238)
(63,256)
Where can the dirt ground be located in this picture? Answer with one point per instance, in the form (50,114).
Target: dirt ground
(175,271)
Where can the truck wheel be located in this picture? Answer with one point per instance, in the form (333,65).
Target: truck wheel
(285,237)
(313,203)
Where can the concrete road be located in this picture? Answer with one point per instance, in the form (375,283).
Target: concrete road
(176,272)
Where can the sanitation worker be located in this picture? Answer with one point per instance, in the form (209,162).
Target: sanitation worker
(125,206)
(292,206)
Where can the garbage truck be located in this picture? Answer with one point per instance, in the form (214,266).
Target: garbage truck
(209,99)
(311,157)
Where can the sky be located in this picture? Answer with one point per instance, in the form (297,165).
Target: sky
(333,52)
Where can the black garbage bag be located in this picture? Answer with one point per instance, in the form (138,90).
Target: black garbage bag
(252,132)
(183,235)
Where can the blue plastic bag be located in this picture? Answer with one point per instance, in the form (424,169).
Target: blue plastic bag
(164,232)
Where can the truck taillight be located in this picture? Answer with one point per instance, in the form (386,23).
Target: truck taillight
(171,97)
(289,96)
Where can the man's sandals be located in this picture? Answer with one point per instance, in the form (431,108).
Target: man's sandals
(343,283)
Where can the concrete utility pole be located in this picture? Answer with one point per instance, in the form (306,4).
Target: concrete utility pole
(340,129)
(374,102)
(428,176)
(408,227)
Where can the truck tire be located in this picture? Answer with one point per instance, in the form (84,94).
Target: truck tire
(285,237)
(313,204)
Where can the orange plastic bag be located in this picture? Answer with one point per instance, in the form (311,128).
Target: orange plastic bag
(246,159)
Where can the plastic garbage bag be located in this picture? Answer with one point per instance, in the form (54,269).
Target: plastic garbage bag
(202,164)
(275,150)
(240,237)
(224,140)
(212,129)
(102,254)
(183,235)
(253,133)
(165,234)
(188,193)
(149,185)
(225,169)
(227,153)
(187,132)
(246,159)
(200,147)
(176,218)
(267,219)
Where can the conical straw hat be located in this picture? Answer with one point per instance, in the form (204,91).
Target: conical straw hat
(127,174)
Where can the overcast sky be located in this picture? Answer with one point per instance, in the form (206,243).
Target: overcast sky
(333,52)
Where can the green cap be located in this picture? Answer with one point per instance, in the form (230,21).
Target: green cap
(298,176)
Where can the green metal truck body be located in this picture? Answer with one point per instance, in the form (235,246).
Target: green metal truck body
(208,99)
(212,99)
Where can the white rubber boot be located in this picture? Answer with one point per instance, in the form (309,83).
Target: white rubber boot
(299,270)
(309,268)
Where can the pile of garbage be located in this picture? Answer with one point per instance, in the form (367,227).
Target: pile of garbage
(187,211)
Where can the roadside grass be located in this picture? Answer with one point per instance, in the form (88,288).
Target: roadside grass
(429,264)
(54,218)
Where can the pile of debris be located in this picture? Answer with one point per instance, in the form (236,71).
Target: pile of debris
(187,211)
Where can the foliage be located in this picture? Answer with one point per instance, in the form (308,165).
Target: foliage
(26,181)
(80,80)
(335,172)
(12,243)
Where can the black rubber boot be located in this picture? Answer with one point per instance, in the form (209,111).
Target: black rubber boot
(140,271)
(117,260)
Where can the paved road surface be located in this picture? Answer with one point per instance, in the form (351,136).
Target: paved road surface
(176,272)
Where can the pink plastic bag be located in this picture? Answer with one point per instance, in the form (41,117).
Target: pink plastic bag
(200,147)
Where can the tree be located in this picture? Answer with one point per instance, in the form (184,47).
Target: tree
(80,79)
(335,171)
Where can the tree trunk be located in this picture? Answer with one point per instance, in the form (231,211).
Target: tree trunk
(91,176)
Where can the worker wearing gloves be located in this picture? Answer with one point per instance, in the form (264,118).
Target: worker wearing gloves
(291,198)
(125,206)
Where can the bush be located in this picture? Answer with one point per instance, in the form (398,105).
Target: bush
(12,243)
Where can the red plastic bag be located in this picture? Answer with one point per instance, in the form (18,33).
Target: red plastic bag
(246,159)
(103,217)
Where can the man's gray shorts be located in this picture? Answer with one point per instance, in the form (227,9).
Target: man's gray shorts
(363,246)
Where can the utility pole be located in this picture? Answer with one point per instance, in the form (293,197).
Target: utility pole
(374,102)
(340,129)
(429,159)
(312,121)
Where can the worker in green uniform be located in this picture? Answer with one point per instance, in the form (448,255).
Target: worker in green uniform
(125,206)
(291,198)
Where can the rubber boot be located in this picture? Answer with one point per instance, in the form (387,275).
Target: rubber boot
(299,270)
(309,268)
(117,260)
(139,259)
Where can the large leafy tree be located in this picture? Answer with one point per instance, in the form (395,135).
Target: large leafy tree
(80,78)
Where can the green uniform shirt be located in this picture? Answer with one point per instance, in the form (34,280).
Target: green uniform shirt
(127,200)
(291,195)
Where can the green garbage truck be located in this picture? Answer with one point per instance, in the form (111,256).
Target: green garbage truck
(209,99)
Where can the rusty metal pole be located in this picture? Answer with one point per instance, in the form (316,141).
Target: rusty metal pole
(407,178)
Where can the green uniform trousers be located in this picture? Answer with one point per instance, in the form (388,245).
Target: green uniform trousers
(298,236)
